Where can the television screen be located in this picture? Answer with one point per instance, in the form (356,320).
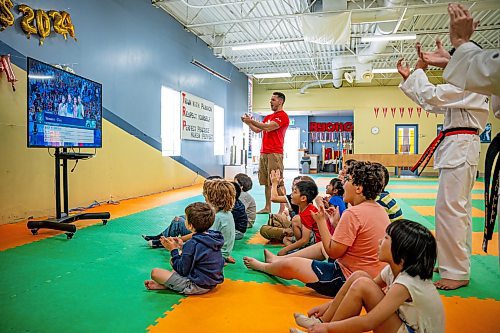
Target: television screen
(64,109)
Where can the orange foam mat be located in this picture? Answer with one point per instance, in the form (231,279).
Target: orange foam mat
(263,307)
(475,196)
(238,306)
(16,234)
(471,314)
(430,211)
(477,243)
(258,239)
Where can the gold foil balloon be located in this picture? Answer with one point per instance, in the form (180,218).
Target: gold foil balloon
(66,22)
(58,23)
(6,17)
(27,21)
(43,24)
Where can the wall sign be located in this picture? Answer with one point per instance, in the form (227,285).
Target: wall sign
(197,121)
(331,127)
(37,21)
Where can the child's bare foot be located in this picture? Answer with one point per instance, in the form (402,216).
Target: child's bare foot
(287,241)
(153,285)
(269,256)
(448,284)
(253,263)
(230,260)
(305,321)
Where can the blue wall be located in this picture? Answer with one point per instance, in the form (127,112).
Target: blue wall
(133,48)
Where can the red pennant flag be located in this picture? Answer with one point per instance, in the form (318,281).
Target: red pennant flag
(401,111)
(436,115)
(376,111)
(384,110)
(393,111)
(419,111)
(427,114)
(410,111)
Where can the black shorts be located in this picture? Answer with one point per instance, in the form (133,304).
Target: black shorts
(330,276)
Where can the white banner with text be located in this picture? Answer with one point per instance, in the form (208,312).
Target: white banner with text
(197,121)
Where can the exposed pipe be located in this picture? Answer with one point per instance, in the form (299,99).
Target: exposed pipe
(314,84)
(370,52)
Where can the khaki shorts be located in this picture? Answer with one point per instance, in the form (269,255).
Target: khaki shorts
(267,163)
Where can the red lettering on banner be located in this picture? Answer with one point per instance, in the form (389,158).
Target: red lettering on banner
(384,111)
(401,111)
(393,111)
(331,127)
(427,114)
(376,112)
(183,123)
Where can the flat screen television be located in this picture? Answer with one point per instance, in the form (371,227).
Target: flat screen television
(64,109)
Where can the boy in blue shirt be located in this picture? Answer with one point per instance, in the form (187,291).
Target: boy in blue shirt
(198,263)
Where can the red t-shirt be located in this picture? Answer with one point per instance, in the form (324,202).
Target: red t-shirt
(272,142)
(308,221)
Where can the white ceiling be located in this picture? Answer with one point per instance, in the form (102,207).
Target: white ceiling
(222,24)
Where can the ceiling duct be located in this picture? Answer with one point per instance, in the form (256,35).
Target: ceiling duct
(319,6)
(367,55)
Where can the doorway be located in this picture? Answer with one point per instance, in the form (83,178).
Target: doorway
(406,144)
(291,149)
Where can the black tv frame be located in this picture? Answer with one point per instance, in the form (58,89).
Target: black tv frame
(27,105)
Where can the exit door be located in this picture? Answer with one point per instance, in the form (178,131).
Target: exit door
(406,144)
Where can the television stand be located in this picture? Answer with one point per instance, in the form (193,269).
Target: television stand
(63,220)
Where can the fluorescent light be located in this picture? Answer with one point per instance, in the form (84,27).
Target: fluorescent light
(385,70)
(40,77)
(271,75)
(379,38)
(256,46)
(210,70)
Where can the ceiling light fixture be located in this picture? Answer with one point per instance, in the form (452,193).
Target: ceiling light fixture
(210,70)
(256,46)
(271,75)
(379,38)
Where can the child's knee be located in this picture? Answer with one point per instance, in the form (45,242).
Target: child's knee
(155,273)
(361,284)
(359,274)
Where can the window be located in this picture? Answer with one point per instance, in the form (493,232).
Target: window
(218,130)
(170,122)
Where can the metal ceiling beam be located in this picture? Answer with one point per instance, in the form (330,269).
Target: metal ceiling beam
(377,14)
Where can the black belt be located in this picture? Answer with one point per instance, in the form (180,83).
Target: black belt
(491,192)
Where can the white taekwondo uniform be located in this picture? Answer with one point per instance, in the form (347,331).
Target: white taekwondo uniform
(456,158)
(477,70)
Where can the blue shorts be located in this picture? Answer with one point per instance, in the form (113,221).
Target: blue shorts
(330,277)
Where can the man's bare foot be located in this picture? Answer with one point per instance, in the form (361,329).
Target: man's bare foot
(448,284)
(269,257)
(153,285)
(264,210)
(253,263)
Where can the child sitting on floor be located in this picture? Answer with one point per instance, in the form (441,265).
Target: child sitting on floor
(386,200)
(198,263)
(411,303)
(239,214)
(335,190)
(246,184)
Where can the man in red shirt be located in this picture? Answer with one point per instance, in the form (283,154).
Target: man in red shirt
(274,128)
